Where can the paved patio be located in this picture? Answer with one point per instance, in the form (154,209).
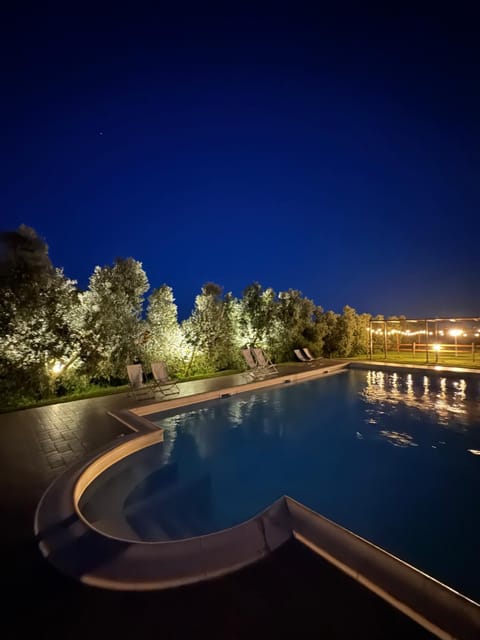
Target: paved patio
(292,593)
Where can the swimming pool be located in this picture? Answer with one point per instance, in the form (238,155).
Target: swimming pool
(391,456)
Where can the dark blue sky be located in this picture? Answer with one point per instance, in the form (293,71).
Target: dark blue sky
(339,155)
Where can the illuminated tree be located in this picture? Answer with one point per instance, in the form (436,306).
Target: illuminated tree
(38,305)
(257,315)
(209,330)
(112,308)
(164,338)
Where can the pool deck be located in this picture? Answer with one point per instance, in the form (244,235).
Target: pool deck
(291,592)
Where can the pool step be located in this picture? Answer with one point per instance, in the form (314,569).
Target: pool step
(182,511)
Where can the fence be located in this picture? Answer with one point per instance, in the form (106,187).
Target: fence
(437,349)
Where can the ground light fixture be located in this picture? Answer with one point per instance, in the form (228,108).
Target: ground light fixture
(57,367)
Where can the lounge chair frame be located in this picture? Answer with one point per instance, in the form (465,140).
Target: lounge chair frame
(300,355)
(138,388)
(263,363)
(163,383)
(308,355)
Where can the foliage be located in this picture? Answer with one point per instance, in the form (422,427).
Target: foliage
(294,322)
(257,315)
(329,324)
(345,335)
(209,330)
(37,305)
(112,306)
(164,338)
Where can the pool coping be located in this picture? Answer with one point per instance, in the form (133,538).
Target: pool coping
(426,368)
(76,548)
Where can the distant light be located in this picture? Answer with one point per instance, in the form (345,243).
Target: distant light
(455,332)
(436,347)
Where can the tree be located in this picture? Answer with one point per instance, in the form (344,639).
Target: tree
(345,335)
(314,334)
(328,322)
(209,329)
(257,315)
(164,338)
(294,319)
(345,332)
(112,309)
(23,258)
(38,305)
(361,335)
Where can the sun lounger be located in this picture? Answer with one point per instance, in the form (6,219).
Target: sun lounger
(301,356)
(163,383)
(263,362)
(138,388)
(255,371)
(252,370)
(308,355)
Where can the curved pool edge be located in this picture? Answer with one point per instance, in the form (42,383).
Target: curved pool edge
(79,550)
(82,552)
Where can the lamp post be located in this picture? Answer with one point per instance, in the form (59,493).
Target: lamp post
(436,348)
(455,333)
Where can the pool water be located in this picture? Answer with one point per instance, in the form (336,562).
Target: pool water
(391,456)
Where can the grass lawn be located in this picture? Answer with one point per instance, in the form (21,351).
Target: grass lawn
(445,360)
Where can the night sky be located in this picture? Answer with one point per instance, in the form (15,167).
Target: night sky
(338,155)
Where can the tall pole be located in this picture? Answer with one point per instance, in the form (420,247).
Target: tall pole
(370,338)
(426,337)
(385,338)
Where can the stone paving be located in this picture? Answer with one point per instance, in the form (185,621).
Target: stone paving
(280,594)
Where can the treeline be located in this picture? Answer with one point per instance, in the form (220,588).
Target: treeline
(57,339)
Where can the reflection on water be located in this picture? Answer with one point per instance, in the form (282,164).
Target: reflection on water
(207,423)
(444,399)
(390,406)
(398,439)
